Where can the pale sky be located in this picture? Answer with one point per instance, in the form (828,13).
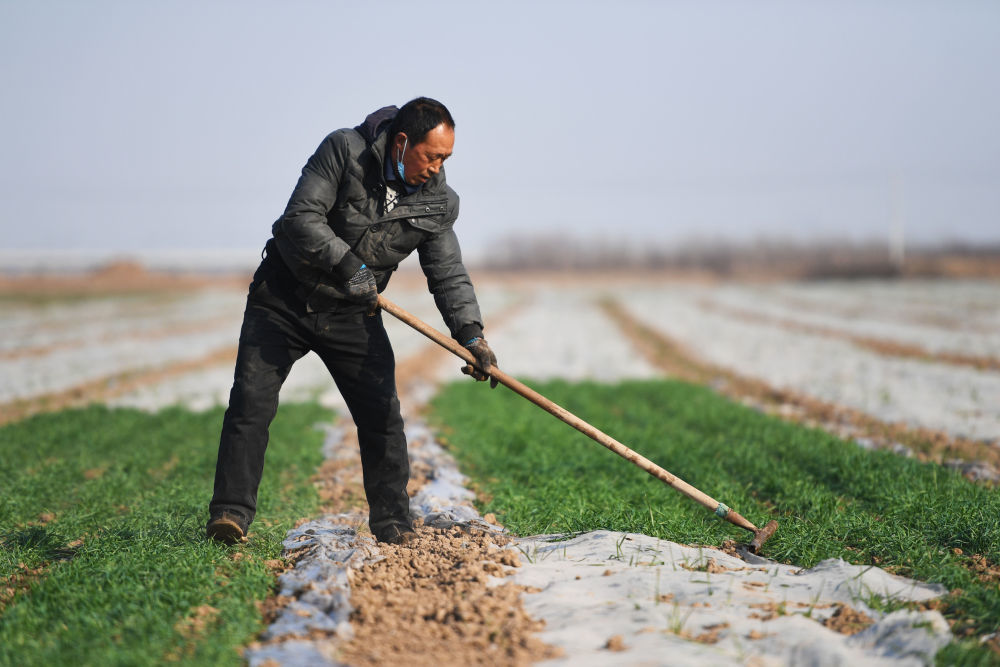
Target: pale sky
(184,125)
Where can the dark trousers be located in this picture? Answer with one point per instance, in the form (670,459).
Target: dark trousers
(277,331)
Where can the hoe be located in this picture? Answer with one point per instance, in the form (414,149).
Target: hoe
(760,535)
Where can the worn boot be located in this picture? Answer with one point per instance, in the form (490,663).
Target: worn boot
(227,527)
(395,533)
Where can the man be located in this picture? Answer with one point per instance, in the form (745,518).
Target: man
(367,198)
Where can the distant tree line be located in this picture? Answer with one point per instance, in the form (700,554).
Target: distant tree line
(728,259)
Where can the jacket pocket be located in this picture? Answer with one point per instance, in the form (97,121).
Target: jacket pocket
(403,237)
(326,298)
(387,243)
(426,216)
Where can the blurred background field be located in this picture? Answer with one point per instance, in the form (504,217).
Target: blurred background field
(923,352)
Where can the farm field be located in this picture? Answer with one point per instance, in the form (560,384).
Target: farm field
(831,500)
(811,403)
(98,561)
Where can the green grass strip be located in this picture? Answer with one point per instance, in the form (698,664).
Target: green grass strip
(832,499)
(107,509)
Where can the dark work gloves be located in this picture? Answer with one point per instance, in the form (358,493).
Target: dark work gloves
(484,359)
(361,289)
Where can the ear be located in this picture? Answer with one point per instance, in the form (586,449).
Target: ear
(397,144)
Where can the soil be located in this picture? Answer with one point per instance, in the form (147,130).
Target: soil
(339,481)
(430,602)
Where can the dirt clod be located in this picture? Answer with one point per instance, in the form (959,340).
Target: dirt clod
(18,581)
(615,643)
(848,621)
(712,633)
(195,623)
(986,571)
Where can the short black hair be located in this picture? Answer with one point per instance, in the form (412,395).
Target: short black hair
(418,117)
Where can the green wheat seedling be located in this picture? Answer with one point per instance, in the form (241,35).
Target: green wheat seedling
(532,556)
(655,556)
(618,549)
(677,620)
(772,575)
(812,604)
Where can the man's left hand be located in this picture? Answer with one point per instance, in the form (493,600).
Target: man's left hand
(485,358)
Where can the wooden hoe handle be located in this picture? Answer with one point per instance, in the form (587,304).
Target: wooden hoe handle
(721,510)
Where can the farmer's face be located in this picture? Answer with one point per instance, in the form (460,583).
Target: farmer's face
(424,160)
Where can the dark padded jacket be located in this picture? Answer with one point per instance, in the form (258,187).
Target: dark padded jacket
(335,222)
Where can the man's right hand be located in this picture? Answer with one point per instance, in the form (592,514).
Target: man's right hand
(361,288)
